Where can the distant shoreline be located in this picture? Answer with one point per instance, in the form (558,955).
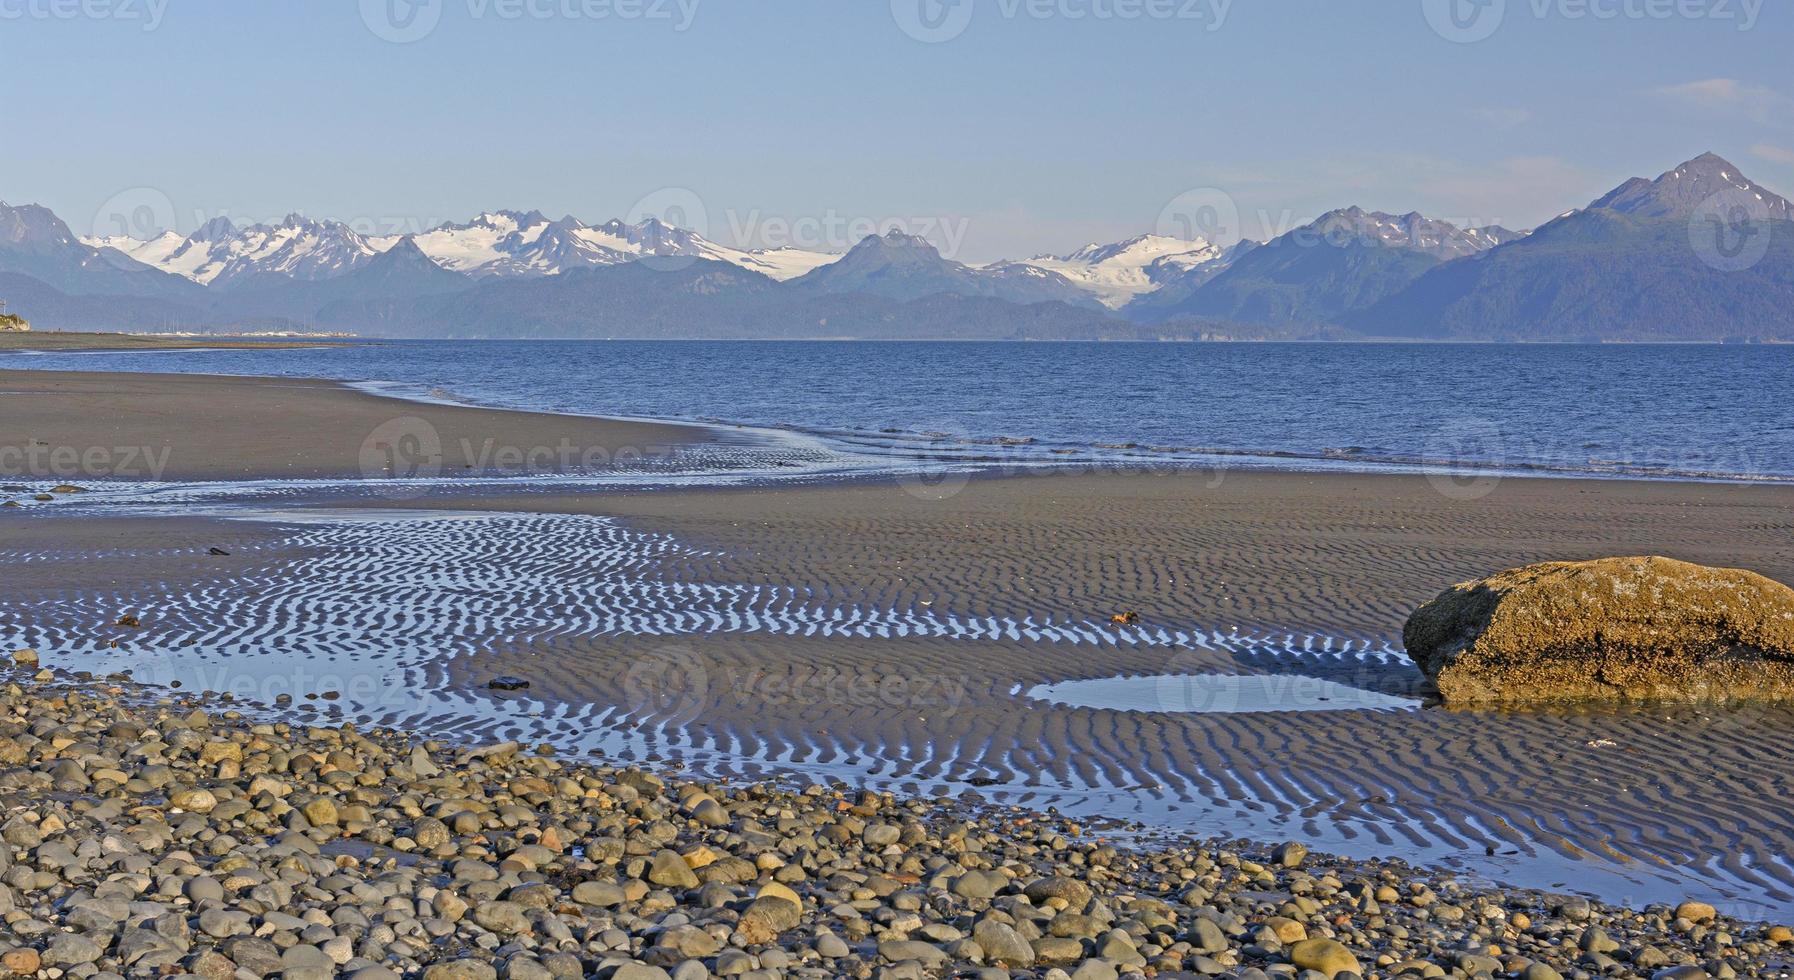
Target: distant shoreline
(63,342)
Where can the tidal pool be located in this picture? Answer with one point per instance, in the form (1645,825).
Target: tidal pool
(1217,693)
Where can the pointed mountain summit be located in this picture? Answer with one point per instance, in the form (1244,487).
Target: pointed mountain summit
(34,242)
(1646,261)
(405,259)
(1678,193)
(215,230)
(900,266)
(401,272)
(33,227)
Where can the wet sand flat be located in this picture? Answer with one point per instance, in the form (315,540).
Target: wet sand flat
(1291,575)
(1348,553)
(99,425)
(859,632)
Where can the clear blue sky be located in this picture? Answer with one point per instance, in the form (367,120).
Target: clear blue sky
(1030,130)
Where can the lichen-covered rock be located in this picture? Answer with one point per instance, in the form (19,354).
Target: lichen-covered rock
(1647,629)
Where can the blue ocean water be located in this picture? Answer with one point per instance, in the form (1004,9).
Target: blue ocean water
(1669,411)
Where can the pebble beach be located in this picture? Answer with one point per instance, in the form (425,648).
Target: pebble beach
(150,833)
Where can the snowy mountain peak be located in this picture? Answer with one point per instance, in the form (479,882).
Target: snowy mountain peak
(1119,272)
(404,252)
(1147,246)
(505,221)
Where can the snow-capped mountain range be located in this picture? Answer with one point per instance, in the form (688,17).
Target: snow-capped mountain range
(220,253)
(528,244)
(1699,252)
(503,244)
(525,244)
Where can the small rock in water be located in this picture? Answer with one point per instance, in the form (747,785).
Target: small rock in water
(1290,854)
(506,682)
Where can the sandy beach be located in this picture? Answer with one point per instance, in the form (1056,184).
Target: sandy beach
(890,636)
(193,427)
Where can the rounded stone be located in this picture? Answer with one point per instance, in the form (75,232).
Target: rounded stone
(1325,956)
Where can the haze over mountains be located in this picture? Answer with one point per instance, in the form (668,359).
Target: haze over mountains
(1699,253)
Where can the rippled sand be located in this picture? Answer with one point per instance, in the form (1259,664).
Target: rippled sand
(875,634)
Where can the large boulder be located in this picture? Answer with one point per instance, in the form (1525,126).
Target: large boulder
(1647,629)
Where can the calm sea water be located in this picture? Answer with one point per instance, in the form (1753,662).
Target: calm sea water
(1674,411)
